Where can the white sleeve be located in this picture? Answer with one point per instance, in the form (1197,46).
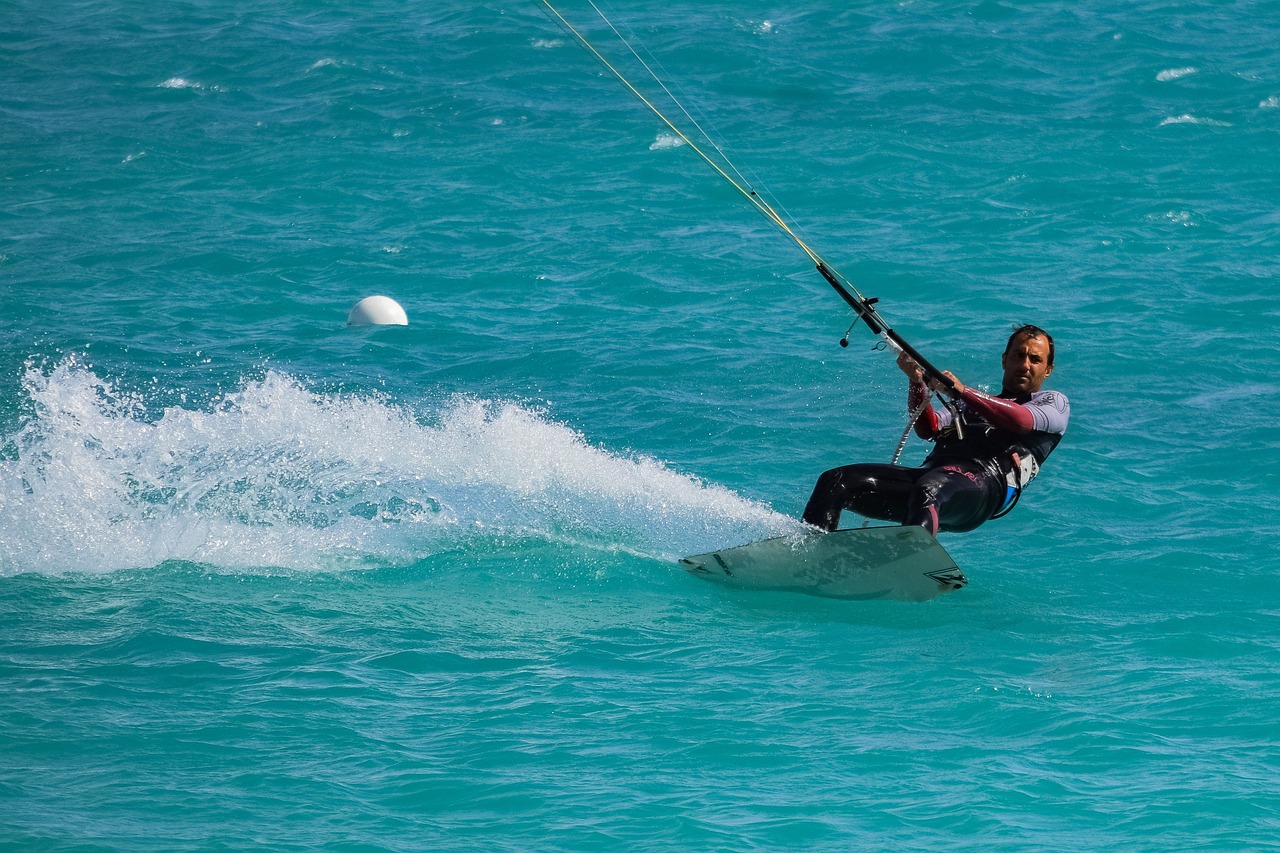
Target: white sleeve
(1050,411)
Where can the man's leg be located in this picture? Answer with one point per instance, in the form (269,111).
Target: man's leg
(871,490)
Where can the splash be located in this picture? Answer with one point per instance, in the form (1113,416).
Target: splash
(277,475)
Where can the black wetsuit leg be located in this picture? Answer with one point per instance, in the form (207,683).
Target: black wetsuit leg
(871,490)
(952,497)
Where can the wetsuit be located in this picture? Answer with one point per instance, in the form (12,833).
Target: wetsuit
(973,474)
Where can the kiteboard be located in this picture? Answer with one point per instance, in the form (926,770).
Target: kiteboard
(904,563)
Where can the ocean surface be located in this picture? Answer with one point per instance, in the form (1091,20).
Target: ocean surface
(268,581)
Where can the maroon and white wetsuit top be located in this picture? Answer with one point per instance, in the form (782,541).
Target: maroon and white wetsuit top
(1001,433)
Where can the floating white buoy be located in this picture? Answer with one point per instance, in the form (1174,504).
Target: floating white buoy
(377,311)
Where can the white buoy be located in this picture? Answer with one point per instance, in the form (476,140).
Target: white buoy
(377,311)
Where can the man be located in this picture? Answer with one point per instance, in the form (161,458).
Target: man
(978,467)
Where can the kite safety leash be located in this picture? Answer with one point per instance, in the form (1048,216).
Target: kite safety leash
(911,422)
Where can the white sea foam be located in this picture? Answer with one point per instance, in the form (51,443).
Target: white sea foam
(1190,119)
(1270,103)
(1175,74)
(276,475)
(666,141)
(1176,217)
(184,83)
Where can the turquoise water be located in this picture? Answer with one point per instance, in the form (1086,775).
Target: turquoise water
(267,581)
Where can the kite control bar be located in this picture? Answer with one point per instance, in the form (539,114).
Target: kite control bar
(865,309)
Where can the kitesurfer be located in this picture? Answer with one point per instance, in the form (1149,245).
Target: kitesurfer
(978,466)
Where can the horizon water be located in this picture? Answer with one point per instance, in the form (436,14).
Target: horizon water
(271,582)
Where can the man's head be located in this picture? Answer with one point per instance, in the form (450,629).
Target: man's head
(1027,360)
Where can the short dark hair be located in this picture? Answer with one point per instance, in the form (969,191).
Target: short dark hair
(1026,330)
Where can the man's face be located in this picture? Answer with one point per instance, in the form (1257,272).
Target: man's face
(1026,364)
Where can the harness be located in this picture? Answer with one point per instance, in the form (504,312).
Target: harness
(1024,470)
(1013,464)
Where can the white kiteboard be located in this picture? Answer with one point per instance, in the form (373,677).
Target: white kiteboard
(904,563)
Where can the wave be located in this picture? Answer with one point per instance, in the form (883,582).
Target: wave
(1190,119)
(278,475)
(1175,74)
(184,83)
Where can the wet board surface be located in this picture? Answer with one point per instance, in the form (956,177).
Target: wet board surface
(904,563)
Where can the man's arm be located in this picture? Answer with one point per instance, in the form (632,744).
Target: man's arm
(1048,411)
(999,412)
